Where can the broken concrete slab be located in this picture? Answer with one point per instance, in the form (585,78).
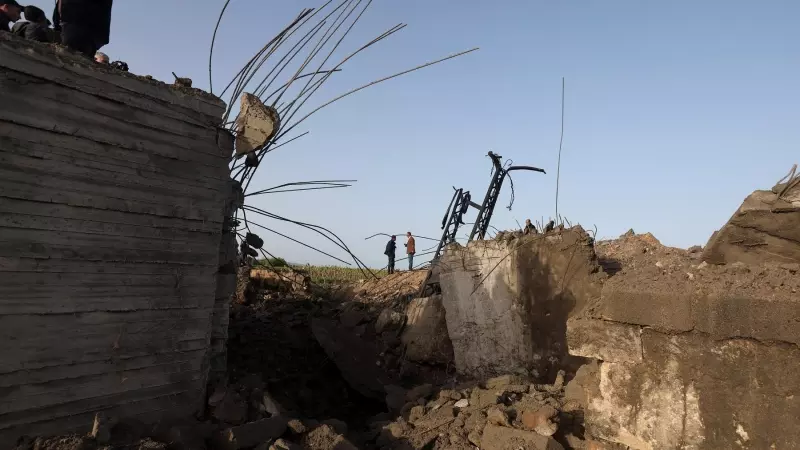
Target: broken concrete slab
(764,228)
(389,320)
(504,438)
(507,302)
(425,334)
(325,437)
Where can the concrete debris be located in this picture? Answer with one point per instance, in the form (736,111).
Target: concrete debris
(339,426)
(389,320)
(101,429)
(296,426)
(496,416)
(280,444)
(256,124)
(580,344)
(425,335)
(325,437)
(463,403)
(502,438)
(541,420)
(763,229)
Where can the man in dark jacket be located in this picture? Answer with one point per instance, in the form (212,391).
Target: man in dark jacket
(85,25)
(36,27)
(10,11)
(391,246)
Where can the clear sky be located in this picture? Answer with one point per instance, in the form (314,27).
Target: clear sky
(675,111)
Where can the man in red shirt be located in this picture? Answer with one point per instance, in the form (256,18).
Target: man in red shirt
(411,248)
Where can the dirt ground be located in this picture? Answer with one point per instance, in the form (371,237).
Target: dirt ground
(641,260)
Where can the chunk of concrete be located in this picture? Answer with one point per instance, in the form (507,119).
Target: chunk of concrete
(504,438)
(255,125)
(764,228)
(325,437)
(388,320)
(604,340)
(425,335)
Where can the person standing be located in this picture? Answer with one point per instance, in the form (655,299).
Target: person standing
(85,25)
(529,227)
(411,248)
(391,247)
(36,27)
(10,11)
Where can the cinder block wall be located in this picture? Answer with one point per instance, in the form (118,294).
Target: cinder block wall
(112,196)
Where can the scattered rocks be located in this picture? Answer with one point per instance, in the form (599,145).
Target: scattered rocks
(463,403)
(502,381)
(296,426)
(416,413)
(339,426)
(496,416)
(541,420)
(502,438)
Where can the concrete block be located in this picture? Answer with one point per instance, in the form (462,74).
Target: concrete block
(668,309)
(774,318)
(507,301)
(425,335)
(604,340)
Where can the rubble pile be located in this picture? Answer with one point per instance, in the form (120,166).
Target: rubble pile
(503,413)
(613,344)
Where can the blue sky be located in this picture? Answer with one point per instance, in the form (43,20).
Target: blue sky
(675,111)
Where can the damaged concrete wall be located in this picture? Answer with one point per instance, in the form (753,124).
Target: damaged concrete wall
(111,206)
(764,228)
(507,301)
(693,357)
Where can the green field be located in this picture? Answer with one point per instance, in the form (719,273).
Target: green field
(321,275)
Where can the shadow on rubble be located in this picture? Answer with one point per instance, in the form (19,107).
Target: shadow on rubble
(272,339)
(555,286)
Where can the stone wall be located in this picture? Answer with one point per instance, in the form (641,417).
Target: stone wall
(507,300)
(112,199)
(700,357)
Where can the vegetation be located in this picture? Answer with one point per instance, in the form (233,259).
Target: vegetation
(322,275)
